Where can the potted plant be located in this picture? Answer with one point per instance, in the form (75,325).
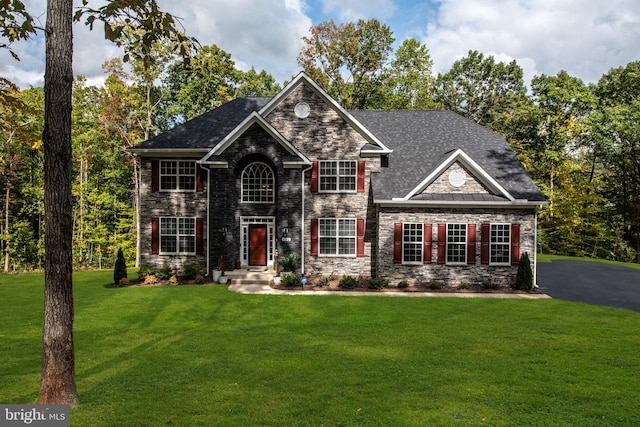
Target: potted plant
(290,262)
(222,265)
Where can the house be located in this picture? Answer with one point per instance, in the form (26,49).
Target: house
(421,196)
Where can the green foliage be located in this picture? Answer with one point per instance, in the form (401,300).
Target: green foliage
(191,271)
(403,284)
(378,283)
(144,271)
(524,277)
(290,262)
(326,280)
(290,280)
(164,272)
(348,282)
(120,268)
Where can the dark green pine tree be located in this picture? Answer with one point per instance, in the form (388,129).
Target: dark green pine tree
(524,277)
(120,270)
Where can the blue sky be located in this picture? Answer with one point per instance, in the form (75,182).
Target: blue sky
(584,37)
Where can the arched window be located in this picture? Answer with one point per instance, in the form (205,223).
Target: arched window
(257,183)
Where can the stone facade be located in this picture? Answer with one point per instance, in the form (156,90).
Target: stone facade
(156,204)
(451,274)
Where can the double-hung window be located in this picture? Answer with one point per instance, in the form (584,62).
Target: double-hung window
(177,235)
(337,236)
(456,243)
(412,243)
(177,175)
(500,244)
(338,175)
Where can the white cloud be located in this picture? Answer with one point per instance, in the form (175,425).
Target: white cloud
(359,9)
(584,37)
(263,34)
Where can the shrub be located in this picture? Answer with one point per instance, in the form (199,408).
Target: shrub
(378,283)
(150,279)
(164,272)
(120,269)
(191,271)
(289,280)
(173,280)
(488,284)
(325,281)
(123,282)
(403,285)
(348,282)
(435,286)
(144,271)
(524,277)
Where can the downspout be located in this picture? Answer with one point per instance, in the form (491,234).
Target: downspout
(535,247)
(208,190)
(303,221)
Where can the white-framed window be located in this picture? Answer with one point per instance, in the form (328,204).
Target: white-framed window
(500,244)
(177,235)
(177,175)
(258,183)
(338,175)
(412,243)
(456,243)
(337,236)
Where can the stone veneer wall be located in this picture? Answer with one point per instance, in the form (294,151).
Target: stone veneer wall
(325,135)
(446,274)
(163,204)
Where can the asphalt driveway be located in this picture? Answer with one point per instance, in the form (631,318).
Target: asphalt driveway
(591,282)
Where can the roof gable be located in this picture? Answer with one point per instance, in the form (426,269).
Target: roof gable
(254,119)
(459,156)
(375,146)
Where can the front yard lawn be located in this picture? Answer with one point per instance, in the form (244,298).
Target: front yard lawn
(200,355)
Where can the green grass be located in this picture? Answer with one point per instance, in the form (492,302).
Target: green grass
(200,355)
(550,258)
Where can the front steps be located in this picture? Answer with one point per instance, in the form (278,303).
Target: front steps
(250,280)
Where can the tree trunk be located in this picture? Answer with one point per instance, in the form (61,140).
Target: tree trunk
(58,383)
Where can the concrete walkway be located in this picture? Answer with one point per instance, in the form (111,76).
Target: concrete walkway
(265,289)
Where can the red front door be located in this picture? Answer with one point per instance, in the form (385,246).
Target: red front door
(257,244)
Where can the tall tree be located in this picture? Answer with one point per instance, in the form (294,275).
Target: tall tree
(616,126)
(408,81)
(348,60)
(58,383)
(480,88)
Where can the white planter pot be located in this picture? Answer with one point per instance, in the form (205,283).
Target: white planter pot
(216,275)
(276,280)
(224,280)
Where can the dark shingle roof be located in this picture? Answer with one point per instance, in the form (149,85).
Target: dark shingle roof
(422,140)
(206,131)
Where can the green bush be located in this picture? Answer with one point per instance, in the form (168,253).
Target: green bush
(378,283)
(164,272)
(289,280)
(524,277)
(191,271)
(120,269)
(144,271)
(403,285)
(290,262)
(348,282)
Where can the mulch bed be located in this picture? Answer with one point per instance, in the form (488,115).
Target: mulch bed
(362,287)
